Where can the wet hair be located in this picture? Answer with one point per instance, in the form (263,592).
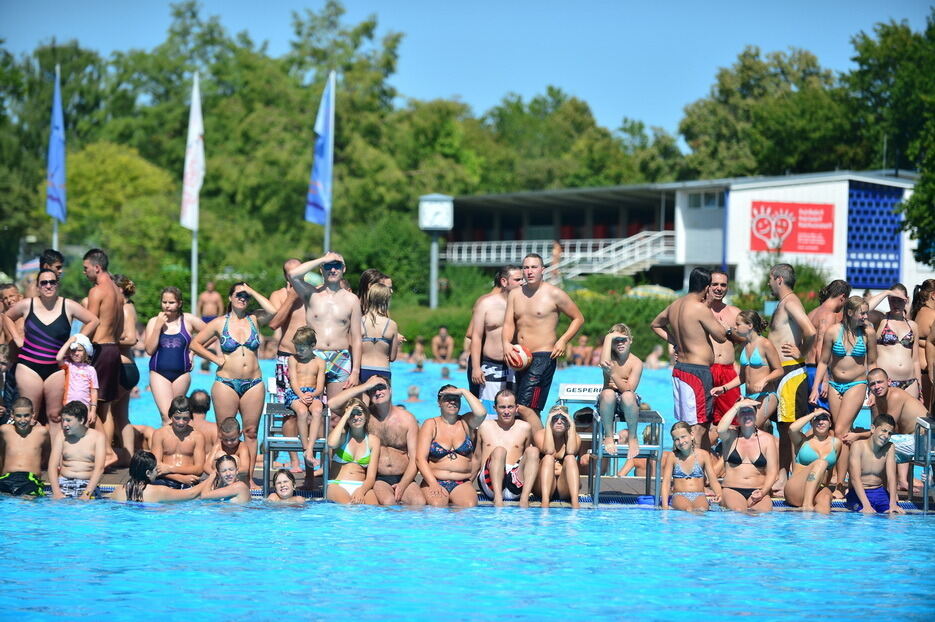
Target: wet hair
(377,300)
(503,393)
(51,256)
(97,257)
(21,402)
(884,418)
(229,426)
(141,464)
(367,278)
(853,304)
(534,256)
(126,285)
(753,318)
(835,288)
(285,472)
(179,404)
(786,271)
(305,337)
(217,469)
(444,389)
(920,295)
(199,401)
(699,279)
(76,409)
(878,370)
(175,291)
(230,293)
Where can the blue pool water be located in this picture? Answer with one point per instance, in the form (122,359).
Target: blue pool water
(102,560)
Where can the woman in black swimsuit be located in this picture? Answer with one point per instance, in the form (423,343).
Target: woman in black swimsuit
(47,327)
(751,460)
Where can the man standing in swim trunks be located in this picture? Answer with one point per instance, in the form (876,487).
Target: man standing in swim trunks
(334,313)
(398,432)
(532,314)
(23,440)
(722,370)
(791,332)
(443,346)
(489,373)
(690,326)
(210,304)
(105,301)
(509,457)
(905,410)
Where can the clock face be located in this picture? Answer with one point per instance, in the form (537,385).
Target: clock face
(436,215)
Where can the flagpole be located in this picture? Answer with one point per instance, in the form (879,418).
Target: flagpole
(331,78)
(194,288)
(192,179)
(58,75)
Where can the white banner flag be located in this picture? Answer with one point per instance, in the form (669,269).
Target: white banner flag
(194,162)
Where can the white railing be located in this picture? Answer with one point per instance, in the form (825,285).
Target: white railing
(609,256)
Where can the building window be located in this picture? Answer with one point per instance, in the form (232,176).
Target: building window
(707,200)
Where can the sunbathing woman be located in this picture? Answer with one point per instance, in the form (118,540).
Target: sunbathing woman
(686,466)
(751,463)
(848,350)
(284,489)
(142,473)
(446,450)
(355,456)
(818,452)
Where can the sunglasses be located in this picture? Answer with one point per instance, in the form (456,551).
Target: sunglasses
(243,296)
(357,413)
(48,283)
(821,418)
(561,418)
(451,397)
(333,265)
(378,387)
(621,339)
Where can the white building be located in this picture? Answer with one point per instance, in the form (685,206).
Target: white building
(843,222)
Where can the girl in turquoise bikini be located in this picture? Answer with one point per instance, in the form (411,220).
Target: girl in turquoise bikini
(818,453)
(849,349)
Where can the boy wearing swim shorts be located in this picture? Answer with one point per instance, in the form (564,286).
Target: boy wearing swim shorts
(77,459)
(23,440)
(872,468)
(622,371)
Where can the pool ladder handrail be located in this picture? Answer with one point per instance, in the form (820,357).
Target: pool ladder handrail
(924,456)
(274,413)
(652,452)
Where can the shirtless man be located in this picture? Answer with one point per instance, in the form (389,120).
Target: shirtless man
(532,314)
(290,317)
(105,301)
(229,443)
(210,304)
(23,440)
(722,370)
(791,332)
(905,410)
(334,313)
(77,459)
(200,403)
(558,442)
(622,370)
(832,297)
(508,456)
(690,326)
(489,373)
(179,448)
(443,346)
(398,432)
(872,468)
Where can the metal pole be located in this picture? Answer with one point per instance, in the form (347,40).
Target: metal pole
(331,79)
(55,233)
(194,289)
(433,273)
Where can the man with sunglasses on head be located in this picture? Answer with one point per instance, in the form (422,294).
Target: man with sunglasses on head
(509,458)
(398,432)
(334,313)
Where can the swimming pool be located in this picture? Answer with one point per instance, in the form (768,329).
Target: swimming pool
(70,560)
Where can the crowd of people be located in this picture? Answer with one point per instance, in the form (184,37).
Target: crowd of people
(67,393)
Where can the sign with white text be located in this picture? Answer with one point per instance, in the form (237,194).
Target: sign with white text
(792,227)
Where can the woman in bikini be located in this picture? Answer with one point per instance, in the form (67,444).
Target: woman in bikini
(751,461)
(818,453)
(379,343)
(897,347)
(446,450)
(129,373)
(167,341)
(238,385)
(45,330)
(760,366)
(355,456)
(923,314)
(848,351)
(686,467)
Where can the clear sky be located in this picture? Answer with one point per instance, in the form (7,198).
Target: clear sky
(643,60)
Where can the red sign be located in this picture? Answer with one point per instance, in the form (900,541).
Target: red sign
(792,227)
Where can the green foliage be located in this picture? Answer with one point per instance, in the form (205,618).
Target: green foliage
(809,279)
(601,311)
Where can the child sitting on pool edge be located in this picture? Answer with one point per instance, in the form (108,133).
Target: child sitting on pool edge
(872,469)
(23,440)
(622,371)
(77,459)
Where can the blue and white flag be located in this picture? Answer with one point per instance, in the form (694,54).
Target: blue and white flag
(318,202)
(55,173)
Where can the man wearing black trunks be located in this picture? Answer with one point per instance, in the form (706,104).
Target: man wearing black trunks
(105,301)
(532,314)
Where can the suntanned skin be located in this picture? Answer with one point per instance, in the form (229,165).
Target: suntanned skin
(901,406)
(443,346)
(77,453)
(873,464)
(23,441)
(726,314)
(506,440)
(179,450)
(209,302)
(487,324)
(227,445)
(532,315)
(622,371)
(558,442)
(398,432)
(821,317)
(333,312)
